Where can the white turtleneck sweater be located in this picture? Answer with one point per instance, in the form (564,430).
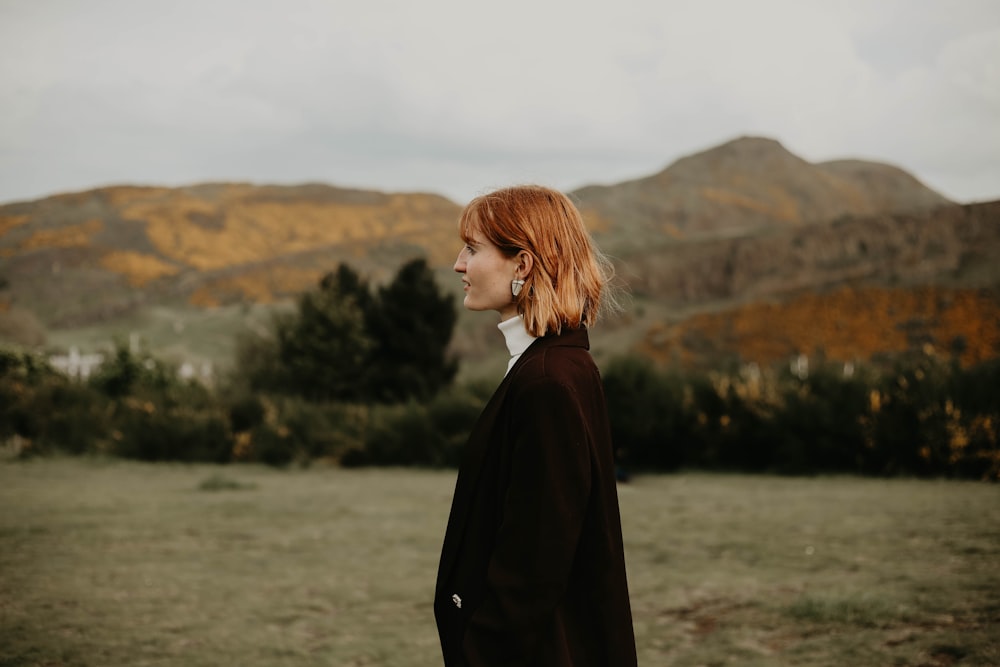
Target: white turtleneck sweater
(517,337)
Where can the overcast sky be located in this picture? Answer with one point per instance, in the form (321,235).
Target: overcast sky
(459,96)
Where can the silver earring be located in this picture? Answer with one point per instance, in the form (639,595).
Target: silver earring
(515,286)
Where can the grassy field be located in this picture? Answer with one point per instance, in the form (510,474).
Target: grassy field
(109,563)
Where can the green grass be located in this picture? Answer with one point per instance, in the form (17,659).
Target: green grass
(110,563)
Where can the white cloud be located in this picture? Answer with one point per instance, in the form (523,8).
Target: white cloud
(456,97)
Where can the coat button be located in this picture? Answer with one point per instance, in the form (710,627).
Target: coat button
(457,600)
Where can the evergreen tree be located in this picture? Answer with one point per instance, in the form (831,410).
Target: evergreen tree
(411,325)
(323,347)
(349,284)
(345,342)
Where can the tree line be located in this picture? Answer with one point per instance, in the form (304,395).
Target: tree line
(360,374)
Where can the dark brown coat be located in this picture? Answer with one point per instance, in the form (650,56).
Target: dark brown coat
(532,570)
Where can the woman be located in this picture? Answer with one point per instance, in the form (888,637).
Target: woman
(532,569)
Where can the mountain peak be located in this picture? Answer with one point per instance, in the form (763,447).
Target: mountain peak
(749,183)
(756,154)
(750,143)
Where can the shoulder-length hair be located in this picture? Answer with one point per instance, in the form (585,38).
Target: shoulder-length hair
(566,285)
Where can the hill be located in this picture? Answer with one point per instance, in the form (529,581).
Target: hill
(729,232)
(746,184)
(847,289)
(87,257)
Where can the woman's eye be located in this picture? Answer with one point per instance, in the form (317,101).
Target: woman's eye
(469,249)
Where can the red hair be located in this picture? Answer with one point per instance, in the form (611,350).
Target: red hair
(569,274)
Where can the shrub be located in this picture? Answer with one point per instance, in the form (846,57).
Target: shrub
(403,435)
(454,414)
(913,414)
(156,432)
(906,428)
(71,417)
(818,425)
(273,446)
(650,425)
(414,434)
(128,372)
(323,430)
(46,409)
(973,421)
(246,412)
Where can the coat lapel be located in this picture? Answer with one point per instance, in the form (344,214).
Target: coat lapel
(478,444)
(468,477)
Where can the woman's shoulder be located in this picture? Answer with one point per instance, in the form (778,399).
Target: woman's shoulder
(556,365)
(557,382)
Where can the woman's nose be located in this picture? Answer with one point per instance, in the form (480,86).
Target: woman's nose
(460,262)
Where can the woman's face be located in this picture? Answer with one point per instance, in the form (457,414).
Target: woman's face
(487,274)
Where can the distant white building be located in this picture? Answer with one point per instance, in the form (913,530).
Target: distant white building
(82,366)
(202,372)
(76,365)
(800,366)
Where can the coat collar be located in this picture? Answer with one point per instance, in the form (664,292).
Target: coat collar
(567,338)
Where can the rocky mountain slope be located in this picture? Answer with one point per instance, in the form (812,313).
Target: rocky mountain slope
(740,224)
(746,184)
(86,257)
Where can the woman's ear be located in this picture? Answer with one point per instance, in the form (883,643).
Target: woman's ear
(523,264)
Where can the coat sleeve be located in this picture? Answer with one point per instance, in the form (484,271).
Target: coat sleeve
(543,511)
